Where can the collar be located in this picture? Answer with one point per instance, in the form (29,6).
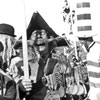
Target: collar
(91,45)
(44,55)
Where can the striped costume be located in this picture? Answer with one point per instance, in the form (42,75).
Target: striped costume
(93,65)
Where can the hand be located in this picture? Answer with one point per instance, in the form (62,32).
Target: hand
(27,84)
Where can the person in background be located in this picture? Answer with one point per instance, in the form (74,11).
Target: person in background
(7,38)
(92,58)
(82,52)
(93,64)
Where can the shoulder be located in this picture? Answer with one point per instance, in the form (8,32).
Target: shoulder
(97,44)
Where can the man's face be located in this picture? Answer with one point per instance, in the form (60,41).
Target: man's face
(40,39)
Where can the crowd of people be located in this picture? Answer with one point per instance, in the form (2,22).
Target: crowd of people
(58,68)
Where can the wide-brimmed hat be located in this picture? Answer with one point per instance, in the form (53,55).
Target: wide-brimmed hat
(85,34)
(37,22)
(7,29)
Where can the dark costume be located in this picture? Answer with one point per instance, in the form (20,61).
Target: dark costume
(38,91)
(10,93)
(40,32)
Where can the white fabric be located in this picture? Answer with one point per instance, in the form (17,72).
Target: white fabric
(94,55)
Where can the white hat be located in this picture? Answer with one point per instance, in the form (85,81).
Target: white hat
(85,34)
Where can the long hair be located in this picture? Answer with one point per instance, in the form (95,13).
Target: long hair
(7,42)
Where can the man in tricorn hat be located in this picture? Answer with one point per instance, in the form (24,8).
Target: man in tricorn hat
(39,39)
(7,39)
(40,35)
(47,63)
(44,45)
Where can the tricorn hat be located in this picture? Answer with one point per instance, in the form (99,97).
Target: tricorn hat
(7,29)
(37,22)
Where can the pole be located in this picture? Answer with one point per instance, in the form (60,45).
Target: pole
(25,51)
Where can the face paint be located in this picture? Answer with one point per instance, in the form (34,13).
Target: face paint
(40,39)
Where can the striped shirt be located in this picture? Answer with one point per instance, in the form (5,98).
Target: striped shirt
(93,65)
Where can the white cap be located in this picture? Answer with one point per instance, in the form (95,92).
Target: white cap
(85,34)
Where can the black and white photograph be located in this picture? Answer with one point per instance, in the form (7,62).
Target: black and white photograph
(49,50)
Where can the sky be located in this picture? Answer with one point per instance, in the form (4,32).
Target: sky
(19,12)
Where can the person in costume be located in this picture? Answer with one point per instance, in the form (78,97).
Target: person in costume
(7,38)
(93,60)
(37,87)
(53,64)
(56,85)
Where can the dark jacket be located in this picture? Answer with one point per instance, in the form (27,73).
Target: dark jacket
(38,91)
(10,93)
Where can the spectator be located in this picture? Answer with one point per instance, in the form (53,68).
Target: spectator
(7,39)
